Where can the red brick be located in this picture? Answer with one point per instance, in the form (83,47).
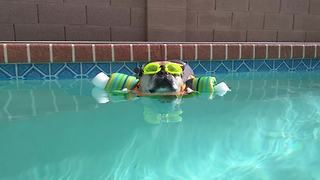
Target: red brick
(62,52)
(285,52)
(1,54)
(188,52)
(140,52)
(314,7)
(294,6)
(200,35)
(201,4)
(260,51)
(214,19)
(243,20)
(286,36)
(182,4)
(83,53)
(62,14)
(313,36)
(265,6)
(17,53)
(309,51)
(163,34)
(307,22)
(246,51)
(261,35)
(138,17)
(232,5)
(233,51)
(115,16)
(279,21)
(156,52)
(173,51)
(204,51)
(18,13)
(128,34)
(273,51)
(218,51)
(297,51)
(128,3)
(87,33)
(229,35)
(103,52)
(318,52)
(122,52)
(163,17)
(40,32)
(39,53)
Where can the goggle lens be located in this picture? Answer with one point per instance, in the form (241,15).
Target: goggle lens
(171,68)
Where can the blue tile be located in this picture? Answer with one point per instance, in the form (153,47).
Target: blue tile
(44,68)
(289,63)
(317,67)
(75,67)
(105,67)
(281,66)
(131,65)
(205,64)
(4,75)
(314,63)
(56,67)
(23,68)
(263,67)
(236,65)
(66,73)
(116,67)
(243,68)
(87,67)
(301,67)
(125,70)
(215,65)
(193,64)
(33,74)
(221,69)
(9,69)
(228,65)
(249,64)
(270,63)
(199,70)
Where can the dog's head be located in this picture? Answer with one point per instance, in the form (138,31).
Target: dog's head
(163,77)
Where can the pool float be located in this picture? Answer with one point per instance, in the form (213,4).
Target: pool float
(119,82)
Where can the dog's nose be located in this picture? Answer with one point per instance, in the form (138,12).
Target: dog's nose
(162,71)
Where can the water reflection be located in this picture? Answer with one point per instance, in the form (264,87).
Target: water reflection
(266,128)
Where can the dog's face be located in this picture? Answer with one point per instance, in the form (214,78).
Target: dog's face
(163,81)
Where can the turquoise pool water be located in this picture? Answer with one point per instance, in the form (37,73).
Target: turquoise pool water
(267,127)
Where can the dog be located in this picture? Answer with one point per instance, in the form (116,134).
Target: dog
(164,78)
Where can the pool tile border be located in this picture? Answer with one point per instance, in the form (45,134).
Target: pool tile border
(41,52)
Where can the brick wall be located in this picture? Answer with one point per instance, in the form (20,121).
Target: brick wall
(160,20)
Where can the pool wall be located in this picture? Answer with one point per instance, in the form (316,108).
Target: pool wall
(61,60)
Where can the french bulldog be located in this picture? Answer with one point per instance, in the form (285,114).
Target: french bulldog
(164,81)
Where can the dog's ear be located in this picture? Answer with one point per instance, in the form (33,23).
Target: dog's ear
(138,71)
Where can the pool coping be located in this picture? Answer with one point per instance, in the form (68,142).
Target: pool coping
(96,51)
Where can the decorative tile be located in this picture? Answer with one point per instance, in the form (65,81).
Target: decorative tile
(89,70)
(33,71)
(7,71)
(281,65)
(261,65)
(241,66)
(65,71)
(221,68)
(299,65)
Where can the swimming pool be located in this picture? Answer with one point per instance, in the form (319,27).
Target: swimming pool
(267,127)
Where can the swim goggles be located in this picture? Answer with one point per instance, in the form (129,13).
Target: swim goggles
(155,67)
